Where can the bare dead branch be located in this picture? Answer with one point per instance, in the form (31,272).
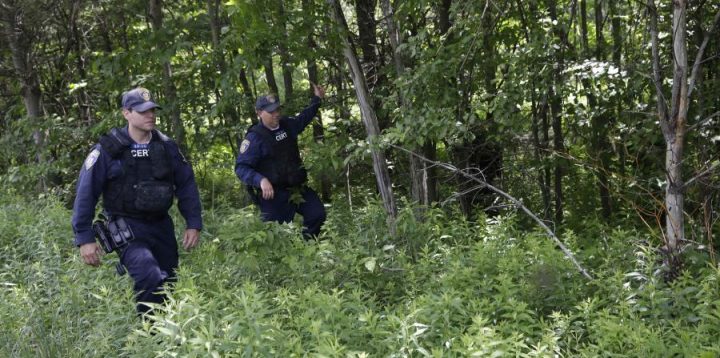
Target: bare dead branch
(512,199)
(703,121)
(701,51)
(663,114)
(700,175)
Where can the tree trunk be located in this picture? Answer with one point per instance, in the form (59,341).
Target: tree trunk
(20,42)
(319,133)
(368,115)
(83,100)
(672,125)
(706,191)
(367,40)
(171,102)
(19,39)
(555,99)
(285,59)
(318,129)
(247,92)
(490,151)
(599,37)
(673,122)
(599,122)
(675,198)
(625,102)
(270,73)
(229,112)
(540,125)
(583,26)
(419,188)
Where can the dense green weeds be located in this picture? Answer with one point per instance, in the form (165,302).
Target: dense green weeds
(444,287)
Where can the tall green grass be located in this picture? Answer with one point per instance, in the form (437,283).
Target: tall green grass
(442,287)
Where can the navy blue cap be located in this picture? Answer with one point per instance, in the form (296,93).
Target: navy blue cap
(269,103)
(139,100)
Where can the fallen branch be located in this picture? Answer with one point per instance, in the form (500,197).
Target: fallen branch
(507,196)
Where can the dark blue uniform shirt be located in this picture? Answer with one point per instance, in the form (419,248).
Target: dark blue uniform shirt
(99,166)
(257,150)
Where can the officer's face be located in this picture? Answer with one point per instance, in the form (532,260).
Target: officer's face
(144,121)
(270,119)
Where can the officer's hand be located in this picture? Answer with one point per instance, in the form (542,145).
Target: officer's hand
(91,253)
(191,238)
(267,189)
(319,90)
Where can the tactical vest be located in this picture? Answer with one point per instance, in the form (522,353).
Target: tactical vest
(283,167)
(145,189)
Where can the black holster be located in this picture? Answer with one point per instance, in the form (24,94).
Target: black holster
(114,233)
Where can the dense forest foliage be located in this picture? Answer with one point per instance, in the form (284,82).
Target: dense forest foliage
(524,178)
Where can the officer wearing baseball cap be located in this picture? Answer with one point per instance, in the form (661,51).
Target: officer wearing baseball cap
(269,164)
(138,100)
(138,171)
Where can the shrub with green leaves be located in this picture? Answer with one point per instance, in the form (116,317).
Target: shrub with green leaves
(441,287)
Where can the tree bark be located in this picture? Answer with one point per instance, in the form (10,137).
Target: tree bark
(599,122)
(555,99)
(285,59)
(583,26)
(675,138)
(18,34)
(20,44)
(171,102)
(367,40)
(82,98)
(318,129)
(539,123)
(673,121)
(368,115)
(247,92)
(419,188)
(371,60)
(672,124)
(229,112)
(270,73)
(625,102)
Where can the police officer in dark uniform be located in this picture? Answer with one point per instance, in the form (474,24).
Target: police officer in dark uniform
(269,160)
(138,171)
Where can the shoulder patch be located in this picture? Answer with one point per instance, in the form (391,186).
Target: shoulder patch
(91,159)
(244,146)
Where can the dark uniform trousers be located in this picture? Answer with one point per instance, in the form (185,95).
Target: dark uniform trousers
(151,259)
(281,209)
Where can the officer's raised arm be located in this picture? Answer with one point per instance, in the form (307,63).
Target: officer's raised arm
(299,122)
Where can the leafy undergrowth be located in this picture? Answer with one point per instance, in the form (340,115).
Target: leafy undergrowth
(444,287)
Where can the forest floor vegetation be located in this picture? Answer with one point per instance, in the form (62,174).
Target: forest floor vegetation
(443,287)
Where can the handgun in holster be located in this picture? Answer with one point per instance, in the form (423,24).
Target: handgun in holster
(114,234)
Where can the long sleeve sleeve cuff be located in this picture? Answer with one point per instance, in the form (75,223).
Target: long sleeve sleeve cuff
(85,237)
(257,179)
(194,223)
